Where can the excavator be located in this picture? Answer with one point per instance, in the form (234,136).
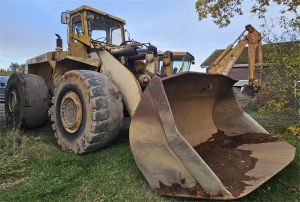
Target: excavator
(188,135)
(226,60)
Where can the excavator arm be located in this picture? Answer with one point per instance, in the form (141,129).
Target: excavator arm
(224,63)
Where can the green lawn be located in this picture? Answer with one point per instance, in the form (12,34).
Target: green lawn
(33,168)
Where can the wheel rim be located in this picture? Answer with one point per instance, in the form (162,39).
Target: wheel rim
(71,112)
(12,101)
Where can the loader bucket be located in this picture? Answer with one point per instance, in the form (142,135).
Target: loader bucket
(190,138)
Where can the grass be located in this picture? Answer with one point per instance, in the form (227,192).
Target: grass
(33,168)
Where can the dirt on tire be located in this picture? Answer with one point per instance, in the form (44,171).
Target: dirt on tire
(33,100)
(102,111)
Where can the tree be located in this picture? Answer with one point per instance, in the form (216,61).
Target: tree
(4,72)
(14,67)
(223,10)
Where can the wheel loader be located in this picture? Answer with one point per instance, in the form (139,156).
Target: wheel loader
(188,134)
(182,61)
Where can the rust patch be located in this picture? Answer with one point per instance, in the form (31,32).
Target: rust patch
(229,163)
(177,189)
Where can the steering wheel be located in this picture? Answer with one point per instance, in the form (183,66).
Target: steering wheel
(126,42)
(98,39)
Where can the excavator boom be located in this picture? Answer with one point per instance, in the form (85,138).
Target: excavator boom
(226,60)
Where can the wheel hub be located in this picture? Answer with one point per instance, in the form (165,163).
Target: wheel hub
(71,112)
(12,101)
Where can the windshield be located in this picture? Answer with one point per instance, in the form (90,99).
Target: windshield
(181,65)
(104,29)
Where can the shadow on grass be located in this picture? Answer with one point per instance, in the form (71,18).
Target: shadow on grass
(43,133)
(46,134)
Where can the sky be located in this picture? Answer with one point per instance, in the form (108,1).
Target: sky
(27,27)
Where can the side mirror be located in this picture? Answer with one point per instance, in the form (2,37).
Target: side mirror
(65,17)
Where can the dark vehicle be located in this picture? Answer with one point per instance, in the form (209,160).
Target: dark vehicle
(3,82)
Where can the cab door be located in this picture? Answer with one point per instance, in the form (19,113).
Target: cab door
(78,37)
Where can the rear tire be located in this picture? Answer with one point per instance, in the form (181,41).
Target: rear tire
(26,101)
(87,111)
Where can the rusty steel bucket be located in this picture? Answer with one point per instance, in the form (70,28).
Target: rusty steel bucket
(190,138)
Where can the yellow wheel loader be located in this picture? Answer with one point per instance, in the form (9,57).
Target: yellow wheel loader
(188,134)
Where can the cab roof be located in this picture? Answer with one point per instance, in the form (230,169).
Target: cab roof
(88,8)
(181,54)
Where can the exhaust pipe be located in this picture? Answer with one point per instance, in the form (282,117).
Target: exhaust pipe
(59,42)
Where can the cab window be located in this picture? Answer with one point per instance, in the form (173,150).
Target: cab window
(104,29)
(77,25)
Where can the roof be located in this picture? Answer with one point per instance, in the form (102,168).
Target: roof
(243,59)
(88,8)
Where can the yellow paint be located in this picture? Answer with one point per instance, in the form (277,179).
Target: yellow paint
(70,125)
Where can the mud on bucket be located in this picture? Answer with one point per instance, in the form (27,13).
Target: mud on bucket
(190,138)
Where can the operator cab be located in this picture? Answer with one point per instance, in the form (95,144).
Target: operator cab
(182,61)
(89,28)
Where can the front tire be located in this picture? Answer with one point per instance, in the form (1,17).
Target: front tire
(26,101)
(87,111)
